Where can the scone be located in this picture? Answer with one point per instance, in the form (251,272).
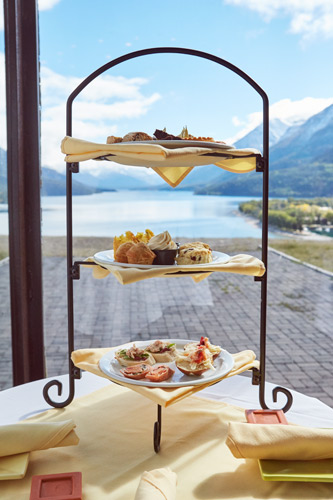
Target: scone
(194,253)
(140,253)
(121,252)
(137,136)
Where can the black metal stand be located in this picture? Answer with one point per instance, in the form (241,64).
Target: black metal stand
(73,270)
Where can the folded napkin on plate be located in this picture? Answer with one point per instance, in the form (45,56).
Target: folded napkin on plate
(171,164)
(88,359)
(157,484)
(238,264)
(279,442)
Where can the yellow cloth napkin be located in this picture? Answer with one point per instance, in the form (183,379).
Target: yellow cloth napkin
(88,359)
(17,440)
(116,447)
(279,442)
(171,164)
(238,264)
(158,484)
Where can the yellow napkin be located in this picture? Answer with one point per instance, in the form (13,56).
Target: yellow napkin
(157,484)
(88,359)
(173,165)
(17,440)
(279,442)
(238,264)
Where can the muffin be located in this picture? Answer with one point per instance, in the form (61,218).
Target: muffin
(140,253)
(121,253)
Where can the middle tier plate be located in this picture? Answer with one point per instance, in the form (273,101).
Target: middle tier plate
(223,365)
(106,257)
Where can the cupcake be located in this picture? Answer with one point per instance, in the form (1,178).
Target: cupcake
(164,248)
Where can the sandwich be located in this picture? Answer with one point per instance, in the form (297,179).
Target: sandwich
(163,352)
(133,356)
(194,360)
(213,349)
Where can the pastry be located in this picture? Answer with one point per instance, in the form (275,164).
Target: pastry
(121,253)
(113,140)
(213,349)
(140,253)
(137,136)
(133,356)
(129,236)
(194,253)
(162,241)
(195,361)
(163,352)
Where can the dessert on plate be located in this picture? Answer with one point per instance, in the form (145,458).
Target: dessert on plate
(140,253)
(164,248)
(196,252)
(129,236)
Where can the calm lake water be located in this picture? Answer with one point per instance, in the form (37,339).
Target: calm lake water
(180,212)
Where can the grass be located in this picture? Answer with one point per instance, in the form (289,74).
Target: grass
(317,253)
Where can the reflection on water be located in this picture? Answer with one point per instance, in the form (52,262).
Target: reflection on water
(179,212)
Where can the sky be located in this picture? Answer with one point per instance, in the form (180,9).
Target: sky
(286,46)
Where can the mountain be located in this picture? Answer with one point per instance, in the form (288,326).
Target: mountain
(301,164)
(253,139)
(54,184)
(107,179)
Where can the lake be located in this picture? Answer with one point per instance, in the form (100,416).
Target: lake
(180,212)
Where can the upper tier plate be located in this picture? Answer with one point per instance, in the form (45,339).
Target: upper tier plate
(183,144)
(106,258)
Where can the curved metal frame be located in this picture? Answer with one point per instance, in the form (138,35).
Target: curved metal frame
(73,270)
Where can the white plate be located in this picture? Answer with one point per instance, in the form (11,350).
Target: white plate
(183,143)
(106,258)
(223,363)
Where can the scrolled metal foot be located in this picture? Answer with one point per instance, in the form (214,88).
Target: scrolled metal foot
(57,404)
(287,393)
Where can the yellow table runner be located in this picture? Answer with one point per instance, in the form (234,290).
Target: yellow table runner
(115,430)
(88,359)
(173,165)
(238,264)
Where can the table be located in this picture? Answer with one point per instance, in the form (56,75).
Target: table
(26,400)
(193,444)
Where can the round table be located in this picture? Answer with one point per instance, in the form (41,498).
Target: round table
(24,401)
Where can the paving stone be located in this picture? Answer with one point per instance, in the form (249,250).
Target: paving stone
(225,307)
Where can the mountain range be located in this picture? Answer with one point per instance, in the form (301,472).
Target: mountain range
(301,161)
(301,164)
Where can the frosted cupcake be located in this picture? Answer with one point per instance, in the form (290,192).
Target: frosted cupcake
(164,248)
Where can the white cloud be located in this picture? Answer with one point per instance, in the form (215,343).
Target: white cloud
(47,4)
(286,110)
(309,18)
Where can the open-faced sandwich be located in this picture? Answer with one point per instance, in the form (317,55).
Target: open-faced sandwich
(159,373)
(213,349)
(195,360)
(163,352)
(133,356)
(136,372)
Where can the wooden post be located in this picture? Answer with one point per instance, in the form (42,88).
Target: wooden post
(24,210)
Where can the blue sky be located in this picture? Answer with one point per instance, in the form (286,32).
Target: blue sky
(284,45)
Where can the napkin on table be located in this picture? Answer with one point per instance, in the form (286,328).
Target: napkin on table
(173,165)
(157,484)
(17,440)
(279,442)
(238,264)
(88,359)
